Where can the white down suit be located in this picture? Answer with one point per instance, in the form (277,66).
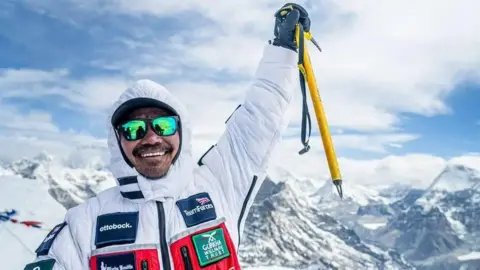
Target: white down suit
(194,217)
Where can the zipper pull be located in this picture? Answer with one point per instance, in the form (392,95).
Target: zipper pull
(144,265)
(187,262)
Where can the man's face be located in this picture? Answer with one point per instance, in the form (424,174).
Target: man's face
(146,154)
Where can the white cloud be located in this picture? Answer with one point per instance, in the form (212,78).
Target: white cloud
(13,77)
(92,93)
(378,60)
(384,59)
(30,83)
(314,164)
(417,170)
(24,135)
(471,160)
(414,169)
(209,104)
(33,121)
(377,143)
(95,93)
(17,145)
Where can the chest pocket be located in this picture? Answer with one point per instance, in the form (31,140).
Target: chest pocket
(115,238)
(206,246)
(131,257)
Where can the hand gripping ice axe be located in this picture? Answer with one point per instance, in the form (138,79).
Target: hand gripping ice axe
(302,33)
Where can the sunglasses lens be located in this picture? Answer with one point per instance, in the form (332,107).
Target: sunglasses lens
(165,126)
(133,130)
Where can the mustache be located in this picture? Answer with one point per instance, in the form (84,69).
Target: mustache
(145,148)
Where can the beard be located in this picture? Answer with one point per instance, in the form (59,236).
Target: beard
(153,167)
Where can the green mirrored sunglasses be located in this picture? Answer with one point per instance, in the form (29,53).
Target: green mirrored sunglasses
(135,129)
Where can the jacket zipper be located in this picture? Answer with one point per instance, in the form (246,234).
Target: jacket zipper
(163,240)
(187,262)
(144,265)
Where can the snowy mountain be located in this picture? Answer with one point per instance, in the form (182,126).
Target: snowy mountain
(42,189)
(357,194)
(457,177)
(437,227)
(288,229)
(69,181)
(294,223)
(327,200)
(393,208)
(395,192)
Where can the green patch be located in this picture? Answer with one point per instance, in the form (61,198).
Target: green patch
(41,265)
(210,246)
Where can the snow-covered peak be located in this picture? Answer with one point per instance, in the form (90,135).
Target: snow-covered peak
(87,158)
(326,192)
(43,157)
(304,185)
(456,177)
(361,195)
(69,183)
(395,191)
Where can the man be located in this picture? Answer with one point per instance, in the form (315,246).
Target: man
(168,211)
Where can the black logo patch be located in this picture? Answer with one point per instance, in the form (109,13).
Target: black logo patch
(125,261)
(116,229)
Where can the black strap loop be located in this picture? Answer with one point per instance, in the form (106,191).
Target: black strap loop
(306,120)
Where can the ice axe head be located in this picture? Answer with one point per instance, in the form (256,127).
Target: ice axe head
(304,19)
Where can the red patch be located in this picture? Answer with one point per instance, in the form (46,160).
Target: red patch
(141,258)
(185,256)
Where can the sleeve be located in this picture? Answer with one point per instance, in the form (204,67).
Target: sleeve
(240,158)
(57,251)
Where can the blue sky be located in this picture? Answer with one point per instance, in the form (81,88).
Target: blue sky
(453,134)
(57,56)
(448,135)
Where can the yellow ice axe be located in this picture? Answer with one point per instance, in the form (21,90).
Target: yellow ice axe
(306,70)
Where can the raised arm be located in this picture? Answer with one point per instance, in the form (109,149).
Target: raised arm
(255,127)
(240,158)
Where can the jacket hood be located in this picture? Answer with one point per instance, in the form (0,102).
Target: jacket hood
(131,184)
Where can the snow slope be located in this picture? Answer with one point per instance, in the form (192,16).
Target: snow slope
(41,189)
(32,201)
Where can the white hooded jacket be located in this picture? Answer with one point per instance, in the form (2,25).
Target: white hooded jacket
(195,215)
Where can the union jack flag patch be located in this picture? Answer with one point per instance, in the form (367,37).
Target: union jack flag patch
(197,209)
(203,200)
